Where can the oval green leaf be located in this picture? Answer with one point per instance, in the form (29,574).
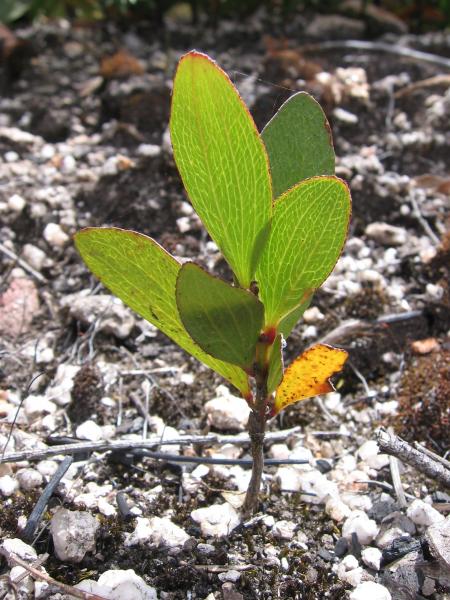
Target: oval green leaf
(225,321)
(299,143)
(222,162)
(309,228)
(142,274)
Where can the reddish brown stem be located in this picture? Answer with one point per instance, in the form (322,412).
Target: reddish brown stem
(256,428)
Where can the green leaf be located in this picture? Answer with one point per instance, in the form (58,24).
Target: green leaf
(299,143)
(308,231)
(275,365)
(225,321)
(288,322)
(140,272)
(222,161)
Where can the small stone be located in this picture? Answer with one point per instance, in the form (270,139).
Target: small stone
(217,520)
(369,590)
(345,116)
(16,203)
(55,236)
(313,482)
(73,534)
(22,550)
(229,592)
(231,575)
(358,522)
(8,485)
(434,291)
(62,385)
(226,411)
(29,479)
(387,235)
(337,510)
(422,513)
(284,530)
(313,315)
(349,570)
(425,346)
(111,314)
(34,256)
(119,585)
(89,431)
(35,406)
(438,538)
(148,150)
(157,531)
(371,557)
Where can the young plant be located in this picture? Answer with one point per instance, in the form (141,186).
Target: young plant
(273,206)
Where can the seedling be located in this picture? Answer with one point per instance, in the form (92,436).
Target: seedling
(278,214)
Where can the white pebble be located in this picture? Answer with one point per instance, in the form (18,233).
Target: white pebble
(149,150)
(422,513)
(29,479)
(284,530)
(337,510)
(349,570)
(73,534)
(34,256)
(89,431)
(316,483)
(387,235)
(371,557)
(226,411)
(8,485)
(345,116)
(313,315)
(368,590)
(157,531)
(217,520)
(22,550)
(358,522)
(35,406)
(55,236)
(119,585)
(16,203)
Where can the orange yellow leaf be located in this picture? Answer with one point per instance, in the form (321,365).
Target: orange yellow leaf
(309,375)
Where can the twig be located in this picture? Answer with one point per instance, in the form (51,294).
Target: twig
(423,83)
(380,47)
(397,482)
(395,446)
(67,589)
(423,222)
(431,454)
(13,256)
(38,510)
(208,460)
(385,486)
(148,443)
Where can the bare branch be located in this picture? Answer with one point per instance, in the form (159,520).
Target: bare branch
(395,446)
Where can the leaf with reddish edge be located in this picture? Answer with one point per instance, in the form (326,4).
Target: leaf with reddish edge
(142,274)
(299,143)
(307,234)
(309,375)
(222,161)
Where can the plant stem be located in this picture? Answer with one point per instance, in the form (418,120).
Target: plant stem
(256,428)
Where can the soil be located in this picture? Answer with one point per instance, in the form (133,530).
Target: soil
(58,91)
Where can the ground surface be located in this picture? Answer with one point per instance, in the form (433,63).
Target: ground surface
(75,136)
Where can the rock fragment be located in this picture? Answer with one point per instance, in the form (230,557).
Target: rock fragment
(158,531)
(118,584)
(369,590)
(422,513)
(387,235)
(227,412)
(217,520)
(73,534)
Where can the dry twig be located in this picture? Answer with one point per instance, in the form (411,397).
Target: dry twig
(395,446)
(67,589)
